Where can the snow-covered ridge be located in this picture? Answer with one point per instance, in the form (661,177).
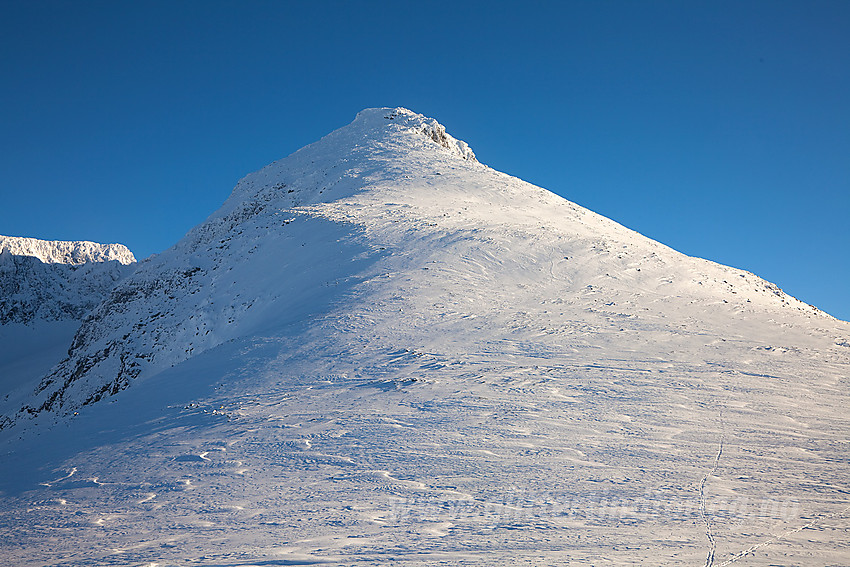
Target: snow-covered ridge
(65,252)
(349,153)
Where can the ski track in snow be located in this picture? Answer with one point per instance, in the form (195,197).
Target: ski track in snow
(709,560)
(750,550)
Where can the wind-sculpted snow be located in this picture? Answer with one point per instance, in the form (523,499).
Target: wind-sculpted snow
(66,252)
(380,351)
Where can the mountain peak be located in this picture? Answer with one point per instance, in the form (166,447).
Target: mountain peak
(378,141)
(43,280)
(403,119)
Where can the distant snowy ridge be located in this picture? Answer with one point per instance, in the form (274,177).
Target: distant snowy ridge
(57,281)
(66,252)
(390,198)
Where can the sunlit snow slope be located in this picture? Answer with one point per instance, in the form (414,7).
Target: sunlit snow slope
(380,350)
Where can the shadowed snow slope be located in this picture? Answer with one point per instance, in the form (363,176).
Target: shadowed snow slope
(380,350)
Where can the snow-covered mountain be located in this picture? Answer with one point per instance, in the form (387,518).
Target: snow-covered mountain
(379,349)
(389,172)
(54,280)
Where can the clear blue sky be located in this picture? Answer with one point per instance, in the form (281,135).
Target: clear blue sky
(721,129)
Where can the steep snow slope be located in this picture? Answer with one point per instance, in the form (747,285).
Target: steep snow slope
(66,252)
(379,350)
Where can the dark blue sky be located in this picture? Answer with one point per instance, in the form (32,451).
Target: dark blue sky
(721,129)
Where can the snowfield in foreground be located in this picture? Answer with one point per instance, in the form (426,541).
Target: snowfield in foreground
(380,351)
